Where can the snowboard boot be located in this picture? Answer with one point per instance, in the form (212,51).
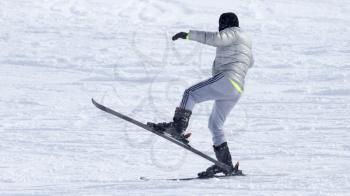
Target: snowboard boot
(177,127)
(223,155)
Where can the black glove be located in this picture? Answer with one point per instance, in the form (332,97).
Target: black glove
(181,35)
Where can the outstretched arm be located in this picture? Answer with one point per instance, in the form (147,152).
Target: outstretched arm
(216,39)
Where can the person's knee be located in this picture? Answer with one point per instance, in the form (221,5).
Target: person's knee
(189,95)
(187,92)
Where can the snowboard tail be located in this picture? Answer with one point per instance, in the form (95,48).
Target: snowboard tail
(165,136)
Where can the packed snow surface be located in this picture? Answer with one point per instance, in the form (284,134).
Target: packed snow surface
(290,130)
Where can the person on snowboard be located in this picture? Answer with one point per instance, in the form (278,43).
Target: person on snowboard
(233,59)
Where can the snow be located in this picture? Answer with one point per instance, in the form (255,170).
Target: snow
(290,130)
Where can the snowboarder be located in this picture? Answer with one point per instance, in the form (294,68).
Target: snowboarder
(233,58)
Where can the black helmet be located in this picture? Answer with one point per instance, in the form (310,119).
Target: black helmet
(228,19)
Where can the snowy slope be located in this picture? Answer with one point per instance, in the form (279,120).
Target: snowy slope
(290,130)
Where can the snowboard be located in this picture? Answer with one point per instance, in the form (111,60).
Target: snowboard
(168,137)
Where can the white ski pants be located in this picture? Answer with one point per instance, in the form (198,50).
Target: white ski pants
(224,91)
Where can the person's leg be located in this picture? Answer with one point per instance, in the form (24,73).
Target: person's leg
(217,87)
(220,111)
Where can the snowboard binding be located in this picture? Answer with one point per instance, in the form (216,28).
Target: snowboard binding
(167,128)
(211,171)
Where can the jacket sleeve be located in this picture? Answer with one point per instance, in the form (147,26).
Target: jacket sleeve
(216,39)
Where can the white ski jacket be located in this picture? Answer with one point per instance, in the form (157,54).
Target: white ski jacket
(233,52)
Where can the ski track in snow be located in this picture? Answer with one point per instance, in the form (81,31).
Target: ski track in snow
(290,130)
